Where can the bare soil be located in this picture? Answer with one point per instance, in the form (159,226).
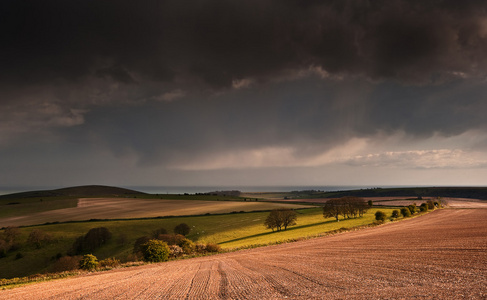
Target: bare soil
(119,208)
(442,255)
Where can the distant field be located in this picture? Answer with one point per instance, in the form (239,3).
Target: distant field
(26,206)
(121,208)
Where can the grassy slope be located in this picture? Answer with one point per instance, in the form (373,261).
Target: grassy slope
(26,206)
(229,230)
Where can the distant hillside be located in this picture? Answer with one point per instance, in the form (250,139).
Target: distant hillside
(79,191)
(448,192)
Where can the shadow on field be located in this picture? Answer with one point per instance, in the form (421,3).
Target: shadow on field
(276,232)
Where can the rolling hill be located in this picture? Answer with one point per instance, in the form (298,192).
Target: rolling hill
(78,191)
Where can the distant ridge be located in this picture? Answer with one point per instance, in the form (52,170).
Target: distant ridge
(451,192)
(78,191)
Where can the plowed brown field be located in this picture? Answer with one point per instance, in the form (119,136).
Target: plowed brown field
(442,255)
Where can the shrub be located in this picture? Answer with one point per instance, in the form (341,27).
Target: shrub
(155,251)
(171,239)
(19,255)
(132,257)
(175,251)
(156,233)
(430,204)
(182,229)
(370,203)
(96,237)
(92,240)
(405,212)
(66,263)
(212,247)
(200,248)
(395,214)
(380,215)
(424,207)
(109,263)
(412,208)
(10,234)
(139,242)
(187,246)
(88,262)
(38,238)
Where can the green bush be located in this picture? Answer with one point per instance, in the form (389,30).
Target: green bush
(430,204)
(395,213)
(88,262)
(405,212)
(412,208)
(424,207)
(187,246)
(155,251)
(380,215)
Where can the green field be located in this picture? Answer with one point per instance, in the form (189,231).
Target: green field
(233,230)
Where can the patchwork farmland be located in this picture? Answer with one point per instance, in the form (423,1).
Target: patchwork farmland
(440,255)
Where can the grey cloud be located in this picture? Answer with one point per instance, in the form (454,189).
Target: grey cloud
(169,82)
(215,42)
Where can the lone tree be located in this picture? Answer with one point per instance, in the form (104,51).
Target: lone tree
(182,229)
(92,240)
(280,218)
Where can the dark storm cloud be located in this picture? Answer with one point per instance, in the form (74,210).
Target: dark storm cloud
(170,82)
(215,42)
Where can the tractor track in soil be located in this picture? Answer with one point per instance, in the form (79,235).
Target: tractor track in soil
(442,255)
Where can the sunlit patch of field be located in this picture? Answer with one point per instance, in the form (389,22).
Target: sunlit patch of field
(121,208)
(310,223)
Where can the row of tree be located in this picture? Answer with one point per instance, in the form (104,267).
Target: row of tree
(348,207)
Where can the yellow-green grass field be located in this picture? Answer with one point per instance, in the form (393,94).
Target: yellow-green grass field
(231,231)
(121,208)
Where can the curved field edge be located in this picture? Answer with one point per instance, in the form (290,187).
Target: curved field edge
(441,256)
(231,231)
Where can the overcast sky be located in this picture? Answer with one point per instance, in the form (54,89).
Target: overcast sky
(237,93)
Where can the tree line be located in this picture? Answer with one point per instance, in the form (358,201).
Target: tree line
(348,207)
